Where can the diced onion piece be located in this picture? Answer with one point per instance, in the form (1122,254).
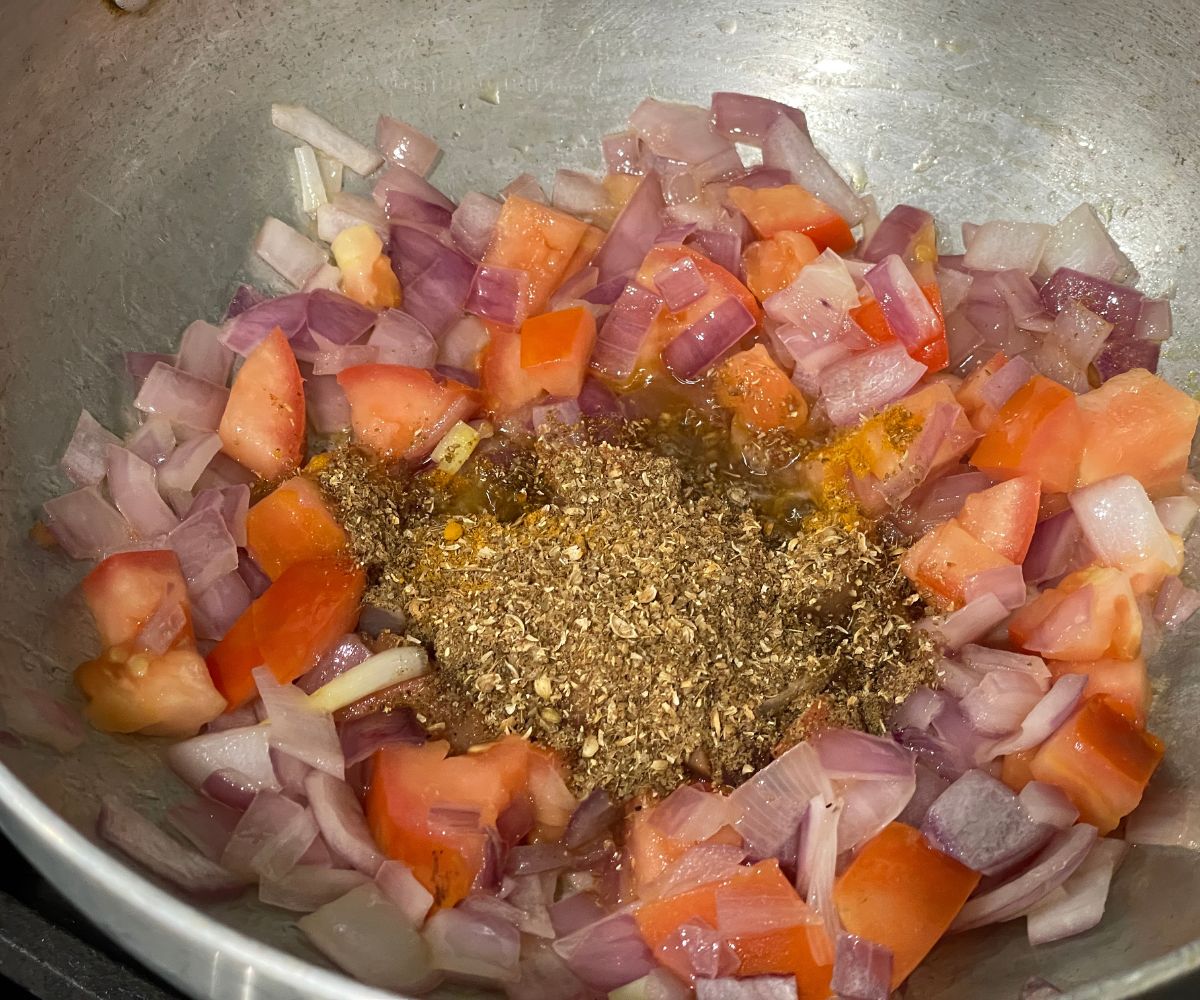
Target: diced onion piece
(770,804)
(862,970)
(680,132)
(205,823)
(133,485)
(473,222)
(1004,246)
(330,140)
(270,838)
(187,462)
(392,666)
(1175,603)
(340,819)
(998,704)
(680,284)
(479,948)
(401,886)
(298,726)
(405,146)
(290,253)
(86,459)
(696,349)
(607,954)
(1078,904)
(909,314)
(1154,321)
(1081,243)
(999,387)
(619,341)
(152,847)
(1167,818)
(1046,716)
(312,185)
(633,232)
(750,988)
(245,750)
(972,622)
(1044,803)
(790,148)
(1177,514)
(309,887)
(85,524)
(578,193)
(866,382)
(747,119)
(1121,525)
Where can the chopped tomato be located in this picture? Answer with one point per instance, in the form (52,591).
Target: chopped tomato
(1139,425)
(933,351)
(1091,615)
(553,801)
(903,894)
(132,687)
(1039,432)
(402,412)
(556,348)
(959,437)
(651,852)
(980,412)
(1003,516)
(868,314)
(289,628)
(772,264)
(758,393)
(790,208)
(782,949)
(1124,681)
(721,285)
(293,524)
(538,240)
(940,562)
(589,243)
(263,424)
(1101,760)
(1014,769)
(367,275)
(415,792)
(505,385)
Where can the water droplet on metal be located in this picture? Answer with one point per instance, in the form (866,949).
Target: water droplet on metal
(490,93)
(727,26)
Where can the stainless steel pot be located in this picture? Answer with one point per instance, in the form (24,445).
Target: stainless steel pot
(137,159)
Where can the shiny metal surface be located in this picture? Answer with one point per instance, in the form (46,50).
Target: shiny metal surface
(136,161)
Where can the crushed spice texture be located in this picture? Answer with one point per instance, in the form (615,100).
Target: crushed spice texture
(647,631)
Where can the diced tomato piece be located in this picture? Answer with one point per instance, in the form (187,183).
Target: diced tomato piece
(1014,769)
(961,435)
(933,351)
(589,243)
(505,385)
(777,950)
(556,348)
(903,894)
(651,852)
(869,315)
(758,393)
(1124,681)
(1039,432)
(536,239)
(289,628)
(293,524)
(367,275)
(772,264)
(130,688)
(721,285)
(413,787)
(553,802)
(1003,516)
(980,412)
(263,424)
(1101,760)
(1091,615)
(790,208)
(1139,425)
(402,412)
(940,562)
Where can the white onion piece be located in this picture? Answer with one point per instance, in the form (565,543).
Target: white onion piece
(340,818)
(182,398)
(1045,803)
(1166,818)
(818,862)
(153,848)
(309,887)
(578,193)
(37,716)
(397,882)
(153,442)
(1047,715)
(1005,246)
(369,938)
(680,132)
(1080,333)
(1122,526)
(472,947)
(1000,702)
(308,175)
(330,140)
(1049,870)
(658,985)
(187,463)
(392,666)
(86,459)
(1078,904)
(770,804)
(85,524)
(789,147)
(270,838)
(972,622)
(862,969)
(1081,243)
(202,354)
(750,988)
(325,278)
(405,146)
(246,750)
(1177,514)
(289,253)
(473,222)
(1154,321)
(298,727)
(133,485)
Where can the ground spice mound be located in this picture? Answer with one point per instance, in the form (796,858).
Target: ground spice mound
(642,630)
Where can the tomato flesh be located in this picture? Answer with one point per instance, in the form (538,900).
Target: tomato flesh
(1004,516)
(556,348)
(293,524)
(790,208)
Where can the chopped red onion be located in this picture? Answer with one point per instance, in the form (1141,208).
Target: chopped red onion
(402,340)
(252,574)
(1175,603)
(362,736)
(748,988)
(680,132)
(578,193)
(788,147)
(896,233)
(289,253)
(37,716)
(607,954)
(1003,246)
(555,413)
(956,679)
(436,278)
(404,181)
(159,632)
(133,486)
(401,207)
(691,815)
(1078,904)
(1000,702)
(86,459)
(816,868)
(138,364)
(204,823)
(341,822)
(1048,804)
(345,212)
(593,818)
(722,247)
(919,709)
(270,838)
(1121,525)
(872,777)
(1080,242)
(699,865)
(397,882)
(1120,356)
(249,328)
(1006,583)
(747,119)
(940,499)
(817,299)
(244,298)
(972,622)
(634,231)
(697,348)
(291,773)
(862,969)
(770,804)
(696,950)
(979,822)
(1154,321)
(182,398)
(954,286)
(524,186)
(153,442)
(929,787)
(866,382)
(297,728)
(473,947)
(372,939)
(575,911)
(1080,333)
(1116,303)
(205,548)
(680,284)
(202,354)
(908,312)
(187,462)
(230,788)
(984,658)
(498,294)
(473,222)
(1177,513)
(1058,548)
(404,146)
(1047,715)
(619,341)
(326,404)
(330,359)
(245,750)
(349,652)
(153,848)
(309,887)
(759,177)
